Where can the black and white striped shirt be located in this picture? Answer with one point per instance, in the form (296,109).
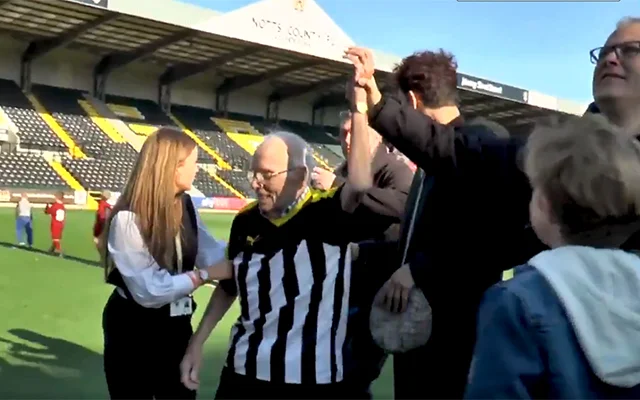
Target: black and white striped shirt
(292,277)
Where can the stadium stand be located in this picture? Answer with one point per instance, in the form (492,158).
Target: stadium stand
(167,53)
(109,162)
(201,121)
(28,171)
(33,131)
(144,116)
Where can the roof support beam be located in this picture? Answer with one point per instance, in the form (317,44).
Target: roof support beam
(236,83)
(113,61)
(528,118)
(289,92)
(182,71)
(39,48)
(490,112)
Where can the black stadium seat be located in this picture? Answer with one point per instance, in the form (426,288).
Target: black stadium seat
(100,174)
(34,133)
(209,186)
(28,171)
(153,115)
(109,163)
(199,120)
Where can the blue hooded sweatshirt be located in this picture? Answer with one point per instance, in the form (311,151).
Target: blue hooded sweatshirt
(567,326)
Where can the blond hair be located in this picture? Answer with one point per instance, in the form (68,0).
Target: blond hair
(150,193)
(589,171)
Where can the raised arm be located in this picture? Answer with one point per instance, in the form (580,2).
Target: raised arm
(359,173)
(429,144)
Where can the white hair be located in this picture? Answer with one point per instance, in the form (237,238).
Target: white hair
(298,150)
(626,21)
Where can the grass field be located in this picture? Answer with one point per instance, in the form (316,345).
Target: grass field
(51,310)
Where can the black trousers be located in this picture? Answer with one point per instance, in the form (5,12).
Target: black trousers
(373,268)
(236,386)
(440,369)
(143,349)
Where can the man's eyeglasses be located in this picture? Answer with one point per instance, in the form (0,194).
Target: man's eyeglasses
(625,50)
(262,177)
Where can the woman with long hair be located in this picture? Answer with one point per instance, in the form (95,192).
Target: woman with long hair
(156,251)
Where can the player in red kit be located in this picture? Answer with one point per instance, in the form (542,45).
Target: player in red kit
(104,208)
(58,215)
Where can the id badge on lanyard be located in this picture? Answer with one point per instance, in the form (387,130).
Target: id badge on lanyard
(183,306)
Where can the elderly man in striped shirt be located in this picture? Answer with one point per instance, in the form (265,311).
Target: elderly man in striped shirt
(292,264)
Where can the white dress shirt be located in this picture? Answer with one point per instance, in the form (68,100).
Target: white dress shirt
(150,285)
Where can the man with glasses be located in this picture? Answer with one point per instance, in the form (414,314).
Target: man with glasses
(616,77)
(292,275)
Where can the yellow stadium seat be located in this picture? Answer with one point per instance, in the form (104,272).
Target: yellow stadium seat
(143,130)
(125,111)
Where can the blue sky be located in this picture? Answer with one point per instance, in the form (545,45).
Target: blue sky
(541,46)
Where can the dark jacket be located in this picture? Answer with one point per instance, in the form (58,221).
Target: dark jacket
(388,196)
(555,331)
(470,227)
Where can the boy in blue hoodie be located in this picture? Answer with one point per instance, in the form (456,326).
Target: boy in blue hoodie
(567,325)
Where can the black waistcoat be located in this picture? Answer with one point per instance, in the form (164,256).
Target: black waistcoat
(189,242)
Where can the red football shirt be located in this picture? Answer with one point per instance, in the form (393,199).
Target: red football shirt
(57,212)
(104,208)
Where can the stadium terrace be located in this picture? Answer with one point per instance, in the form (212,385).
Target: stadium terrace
(82,83)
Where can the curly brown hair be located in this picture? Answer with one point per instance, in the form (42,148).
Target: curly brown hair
(431,76)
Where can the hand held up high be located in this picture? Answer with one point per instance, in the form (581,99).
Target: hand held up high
(364,69)
(363,62)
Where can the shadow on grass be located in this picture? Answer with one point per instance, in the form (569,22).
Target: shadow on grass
(36,366)
(46,253)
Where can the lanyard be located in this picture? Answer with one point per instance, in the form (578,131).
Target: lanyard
(179,253)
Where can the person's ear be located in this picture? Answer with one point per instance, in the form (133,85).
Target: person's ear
(413,99)
(544,205)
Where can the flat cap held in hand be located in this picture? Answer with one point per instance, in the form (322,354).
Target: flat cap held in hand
(401,332)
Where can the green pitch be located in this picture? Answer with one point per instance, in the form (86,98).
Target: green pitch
(51,312)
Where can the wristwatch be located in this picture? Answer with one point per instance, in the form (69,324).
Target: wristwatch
(361,107)
(203,275)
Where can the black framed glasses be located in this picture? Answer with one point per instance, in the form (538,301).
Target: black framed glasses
(262,177)
(625,50)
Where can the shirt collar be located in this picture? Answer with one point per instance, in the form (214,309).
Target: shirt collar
(300,199)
